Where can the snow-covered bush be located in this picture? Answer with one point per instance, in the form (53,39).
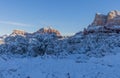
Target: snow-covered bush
(16,44)
(35,47)
(39,43)
(95,44)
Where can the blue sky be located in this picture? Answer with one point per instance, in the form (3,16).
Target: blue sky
(68,16)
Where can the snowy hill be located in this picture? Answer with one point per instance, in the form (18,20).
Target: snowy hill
(91,53)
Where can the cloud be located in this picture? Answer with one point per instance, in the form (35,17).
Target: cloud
(15,23)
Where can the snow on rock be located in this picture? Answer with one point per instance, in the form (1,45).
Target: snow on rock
(92,45)
(95,28)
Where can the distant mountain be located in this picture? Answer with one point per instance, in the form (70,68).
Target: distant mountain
(48,30)
(45,30)
(111,19)
(18,32)
(105,23)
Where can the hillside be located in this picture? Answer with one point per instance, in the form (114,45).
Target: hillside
(45,53)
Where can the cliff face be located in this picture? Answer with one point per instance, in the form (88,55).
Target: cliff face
(109,23)
(100,19)
(111,19)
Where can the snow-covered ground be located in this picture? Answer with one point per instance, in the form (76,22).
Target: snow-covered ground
(95,55)
(73,66)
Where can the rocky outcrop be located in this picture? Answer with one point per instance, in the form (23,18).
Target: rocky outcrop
(18,32)
(1,41)
(109,23)
(111,19)
(100,20)
(42,31)
(48,30)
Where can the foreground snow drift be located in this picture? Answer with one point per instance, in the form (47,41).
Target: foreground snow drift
(106,67)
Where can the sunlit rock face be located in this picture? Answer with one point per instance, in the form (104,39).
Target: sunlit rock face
(100,19)
(18,32)
(111,19)
(109,23)
(1,41)
(42,31)
(48,30)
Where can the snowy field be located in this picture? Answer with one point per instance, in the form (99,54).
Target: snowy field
(73,66)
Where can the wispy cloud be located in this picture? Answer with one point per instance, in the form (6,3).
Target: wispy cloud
(15,23)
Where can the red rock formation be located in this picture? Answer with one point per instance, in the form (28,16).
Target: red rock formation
(100,20)
(18,32)
(105,23)
(48,30)
(111,19)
